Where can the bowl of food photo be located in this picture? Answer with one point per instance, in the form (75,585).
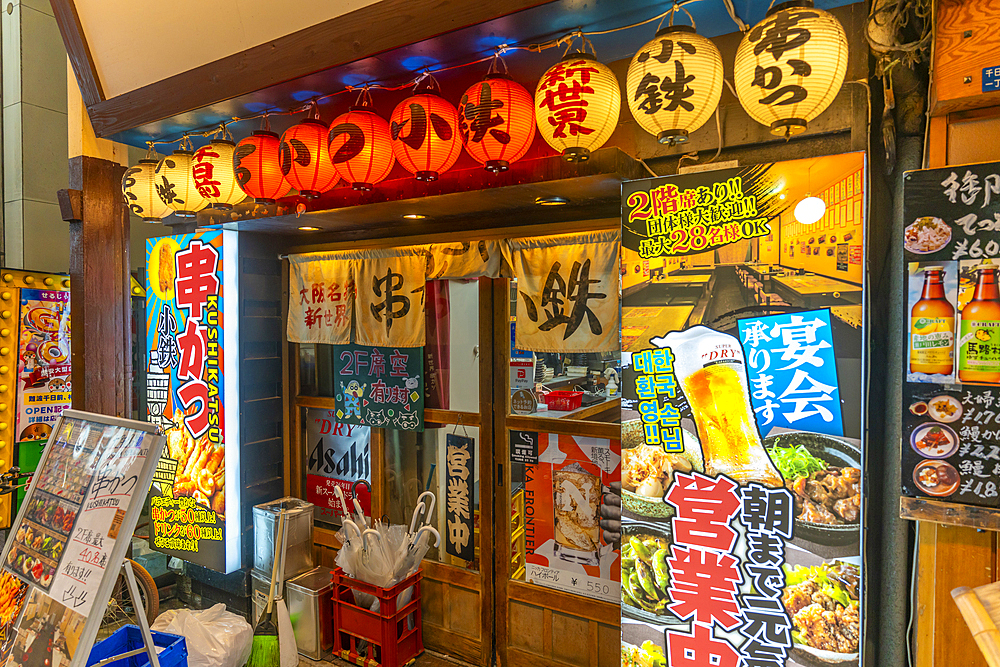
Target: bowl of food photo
(824,475)
(926,235)
(934,441)
(648,471)
(823,603)
(645,573)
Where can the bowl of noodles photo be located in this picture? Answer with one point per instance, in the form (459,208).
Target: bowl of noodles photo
(648,471)
(926,235)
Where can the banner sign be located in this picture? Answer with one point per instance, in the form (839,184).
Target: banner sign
(321,300)
(380,386)
(565,480)
(70,537)
(44,367)
(460,460)
(337,455)
(741,470)
(951,249)
(193,368)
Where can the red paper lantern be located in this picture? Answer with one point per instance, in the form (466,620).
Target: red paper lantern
(497,121)
(257,163)
(305,158)
(361,147)
(424,131)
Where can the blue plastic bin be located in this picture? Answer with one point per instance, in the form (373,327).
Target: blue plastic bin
(129,638)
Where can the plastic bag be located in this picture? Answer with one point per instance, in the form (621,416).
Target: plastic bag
(215,637)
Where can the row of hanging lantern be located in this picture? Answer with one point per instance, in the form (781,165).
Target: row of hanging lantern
(787,70)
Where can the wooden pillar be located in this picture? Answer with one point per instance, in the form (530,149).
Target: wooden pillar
(100,290)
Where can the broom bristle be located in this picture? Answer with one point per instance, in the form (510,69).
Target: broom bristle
(265,651)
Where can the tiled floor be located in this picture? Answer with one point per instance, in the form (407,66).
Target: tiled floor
(427,659)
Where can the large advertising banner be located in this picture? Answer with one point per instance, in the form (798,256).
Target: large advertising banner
(565,479)
(193,368)
(44,366)
(951,375)
(742,392)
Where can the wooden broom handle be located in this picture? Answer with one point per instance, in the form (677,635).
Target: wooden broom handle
(984,630)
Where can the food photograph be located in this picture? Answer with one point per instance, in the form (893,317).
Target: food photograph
(645,576)
(926,235)
(934,441)
(201,467)
(647,470)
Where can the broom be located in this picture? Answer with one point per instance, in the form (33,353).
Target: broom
(265,651)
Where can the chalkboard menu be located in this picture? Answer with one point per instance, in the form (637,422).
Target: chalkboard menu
(75,524)
(951,369)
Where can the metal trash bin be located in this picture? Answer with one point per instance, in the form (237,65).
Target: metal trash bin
(299,520)
(310,606)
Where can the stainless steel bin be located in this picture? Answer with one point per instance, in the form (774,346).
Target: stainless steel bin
(310,606)
(299,519)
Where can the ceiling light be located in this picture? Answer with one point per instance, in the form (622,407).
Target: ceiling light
(309,229)
(414,216)
(810,210)
(551,201)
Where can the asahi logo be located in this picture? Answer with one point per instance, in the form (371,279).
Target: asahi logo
(348,461)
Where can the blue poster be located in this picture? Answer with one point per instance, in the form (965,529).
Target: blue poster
(792,371)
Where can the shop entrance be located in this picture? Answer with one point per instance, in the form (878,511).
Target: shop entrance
(514,591)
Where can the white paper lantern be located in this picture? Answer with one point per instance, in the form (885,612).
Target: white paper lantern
(139,188)
(175,184)
(674,83)
(790,66)
(214,176)
(577,102)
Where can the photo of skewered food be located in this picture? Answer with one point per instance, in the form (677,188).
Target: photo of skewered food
(13,593)
(52,513)
(201,467)
(65,476)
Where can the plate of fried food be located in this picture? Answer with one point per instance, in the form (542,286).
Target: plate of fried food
(823,603)
(648,471)
(201,467)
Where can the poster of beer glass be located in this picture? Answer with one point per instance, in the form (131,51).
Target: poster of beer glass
(742,450)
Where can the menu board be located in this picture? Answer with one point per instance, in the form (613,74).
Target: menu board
(565,479)
(72,531)
(951,373)
(193,370)
(336,455)
(741,446)
(44,367)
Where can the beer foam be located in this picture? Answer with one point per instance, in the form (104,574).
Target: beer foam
(699,346)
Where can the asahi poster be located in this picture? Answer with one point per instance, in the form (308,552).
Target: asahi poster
(44,367)
(951,376)
(741,418)
(338,455)
(191,368)
(565,480)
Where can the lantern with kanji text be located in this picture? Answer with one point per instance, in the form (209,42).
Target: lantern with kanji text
(305,157)
(360,145)
(790,66)
(424,131)
(175,184)
(257,165)
(577,102)
(214,176)
(139,188)
(674,83)
(497,121)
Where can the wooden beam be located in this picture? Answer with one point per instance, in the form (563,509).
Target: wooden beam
(100,289)
(329,44)
(954,514)
(70,205)
(79,53)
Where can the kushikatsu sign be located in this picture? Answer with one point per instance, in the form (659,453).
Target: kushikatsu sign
(741,419)
(192,369)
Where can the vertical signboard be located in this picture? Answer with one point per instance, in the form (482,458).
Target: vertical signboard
(460,459)
(741,418)
(43,365)
(337,455)
(193,394)
(951,375)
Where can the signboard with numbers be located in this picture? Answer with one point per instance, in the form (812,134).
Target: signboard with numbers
(193,368)
(380,386)
(73,530)
(741,418)
(951,375)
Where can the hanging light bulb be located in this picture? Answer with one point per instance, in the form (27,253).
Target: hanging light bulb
(424,131)
(174,182)
(674,83)
(305,156)
(214,175)
(139,188)
(360,145)
(577,102)
(810,209)
(497,119)
(257,165)
(790,66)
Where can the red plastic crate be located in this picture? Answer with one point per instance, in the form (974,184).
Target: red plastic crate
(563,401)
(392,642)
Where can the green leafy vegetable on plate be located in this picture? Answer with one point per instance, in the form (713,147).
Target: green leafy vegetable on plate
(796,461)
